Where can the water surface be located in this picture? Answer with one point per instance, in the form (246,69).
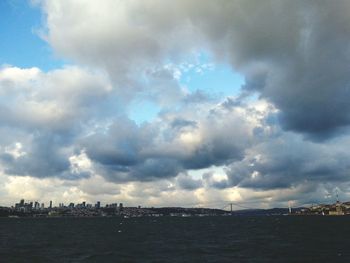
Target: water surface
(171,239)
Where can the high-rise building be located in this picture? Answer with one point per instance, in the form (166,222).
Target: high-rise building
(98,205)
(50,204)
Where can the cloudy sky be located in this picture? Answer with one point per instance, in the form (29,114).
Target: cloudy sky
(164,102)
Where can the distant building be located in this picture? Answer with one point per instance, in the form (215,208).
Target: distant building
(338,210)
(114,205)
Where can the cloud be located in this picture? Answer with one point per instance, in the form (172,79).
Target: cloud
(32,99)
(293,53)
(173,143)
(43,113)
(188,183)
(68,112)
(71,124)
(288,161)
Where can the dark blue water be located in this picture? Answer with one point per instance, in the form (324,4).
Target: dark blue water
(207,239)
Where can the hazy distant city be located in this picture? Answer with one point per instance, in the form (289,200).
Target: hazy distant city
(84,209)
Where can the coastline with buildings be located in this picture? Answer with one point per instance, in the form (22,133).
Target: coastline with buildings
(84,209)
(336,209)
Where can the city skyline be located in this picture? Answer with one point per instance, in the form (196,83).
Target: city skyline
(41,205)
(165,103)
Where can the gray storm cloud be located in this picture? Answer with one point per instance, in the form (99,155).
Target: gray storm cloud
(288,161)
(171,145)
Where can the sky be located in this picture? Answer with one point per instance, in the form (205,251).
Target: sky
(175,103)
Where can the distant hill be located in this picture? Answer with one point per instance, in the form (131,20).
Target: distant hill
(189,211)
(264,212)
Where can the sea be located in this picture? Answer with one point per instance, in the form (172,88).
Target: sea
(176,239)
